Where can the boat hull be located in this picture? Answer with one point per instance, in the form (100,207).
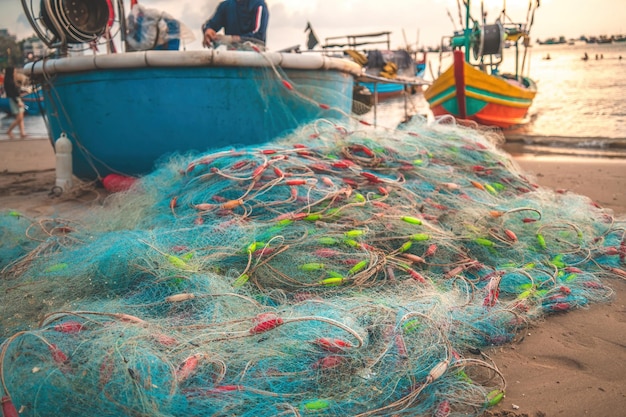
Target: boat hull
(33,104)
(489,100)
(126,118)
(389,88)
(384,91)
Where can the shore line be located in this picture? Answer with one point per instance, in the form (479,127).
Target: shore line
(599,147)
(518,149)
(530,138)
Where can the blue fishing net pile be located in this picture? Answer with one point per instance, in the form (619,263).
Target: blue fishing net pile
(341,270)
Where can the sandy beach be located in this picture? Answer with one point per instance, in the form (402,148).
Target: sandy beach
(570,364)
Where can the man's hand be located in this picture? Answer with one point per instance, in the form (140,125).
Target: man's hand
(209,36)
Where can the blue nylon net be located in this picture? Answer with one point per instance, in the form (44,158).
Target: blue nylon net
(341,270)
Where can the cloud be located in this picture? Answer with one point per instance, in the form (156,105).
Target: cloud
(288,18)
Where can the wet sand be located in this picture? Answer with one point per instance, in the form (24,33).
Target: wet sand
(570,364)
(574,363)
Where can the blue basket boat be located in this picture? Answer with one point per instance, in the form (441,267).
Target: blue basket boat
(124,111)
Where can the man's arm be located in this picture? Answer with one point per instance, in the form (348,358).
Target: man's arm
(214,24)
(261,18)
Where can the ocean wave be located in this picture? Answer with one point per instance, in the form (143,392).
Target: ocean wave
(565,145)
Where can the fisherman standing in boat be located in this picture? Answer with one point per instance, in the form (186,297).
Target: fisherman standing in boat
(238,18)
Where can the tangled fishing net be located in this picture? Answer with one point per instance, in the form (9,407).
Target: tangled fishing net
(339,271)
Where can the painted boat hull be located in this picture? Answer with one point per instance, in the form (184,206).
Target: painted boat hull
(384,91)
(391,89)
(489,100)
(124,117)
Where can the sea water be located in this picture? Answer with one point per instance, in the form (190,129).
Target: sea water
(578,101)
(580,105)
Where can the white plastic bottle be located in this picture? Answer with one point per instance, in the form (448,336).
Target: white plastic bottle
(63,151)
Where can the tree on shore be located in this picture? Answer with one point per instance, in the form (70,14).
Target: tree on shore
(10,51)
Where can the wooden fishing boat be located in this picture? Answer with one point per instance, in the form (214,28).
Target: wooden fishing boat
(387,72)
(469,93)
(124,111)
(553,41)
(475,89)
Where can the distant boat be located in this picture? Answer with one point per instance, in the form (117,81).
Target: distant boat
(124,111)
(552,41)
(33,100)
(387,73)
(33,104)
(390,73)
(477,90)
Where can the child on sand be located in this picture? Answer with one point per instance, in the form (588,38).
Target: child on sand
(16,104)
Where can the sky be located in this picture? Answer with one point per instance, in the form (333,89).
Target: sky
(413,22)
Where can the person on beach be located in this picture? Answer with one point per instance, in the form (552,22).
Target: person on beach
(12,91)
(238,18)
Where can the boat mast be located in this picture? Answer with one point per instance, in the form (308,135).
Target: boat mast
(463,39)
(467,30)
(529,24)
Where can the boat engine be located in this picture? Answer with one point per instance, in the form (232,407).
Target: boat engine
(61,22)
(484,40)
(487,40)
(79,20)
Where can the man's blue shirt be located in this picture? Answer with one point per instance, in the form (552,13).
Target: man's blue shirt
(246,18)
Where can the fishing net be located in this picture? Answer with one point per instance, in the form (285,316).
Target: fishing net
(340,270)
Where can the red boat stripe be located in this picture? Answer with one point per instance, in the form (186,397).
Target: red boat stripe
(259,13)
(459,78)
